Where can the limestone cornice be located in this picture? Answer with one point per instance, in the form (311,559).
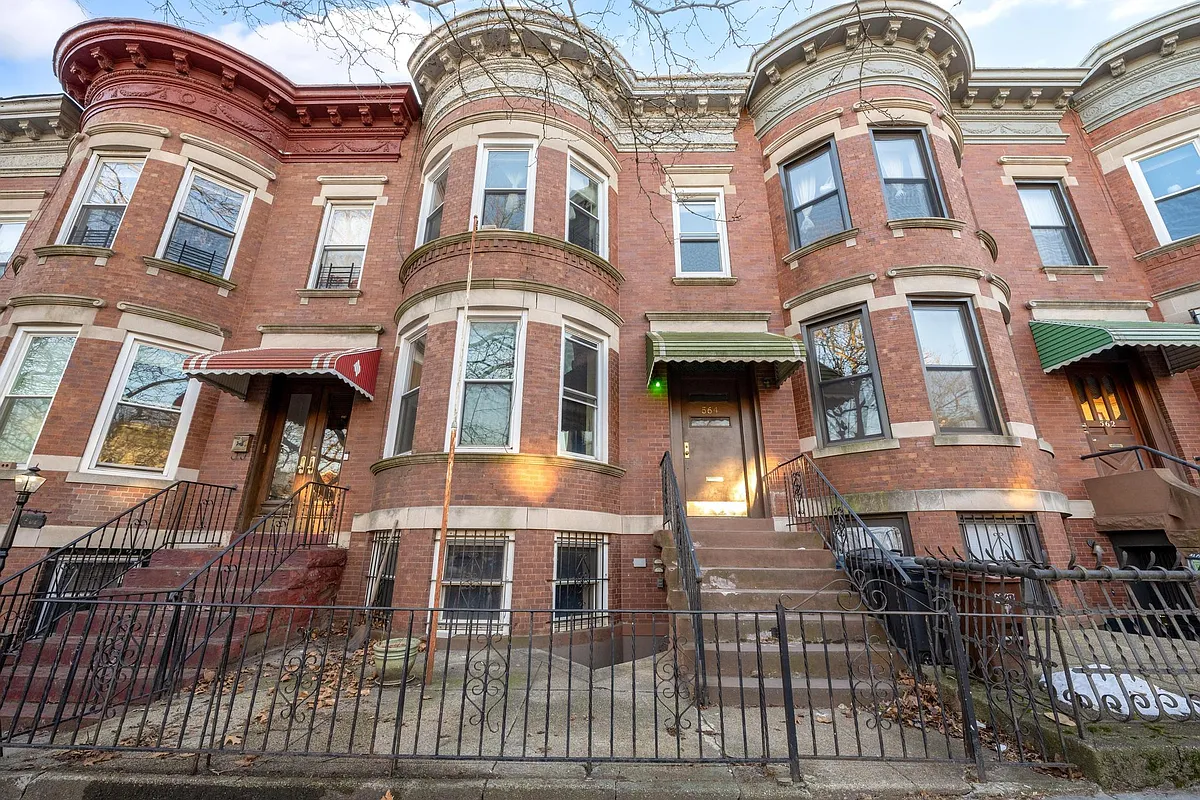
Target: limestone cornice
(1134,87)
(36,135)
(115,63)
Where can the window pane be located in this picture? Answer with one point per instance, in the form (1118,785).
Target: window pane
(487,412)
(492,351)
(507,169)
(943,336)
(1041,206)
(900,157)
(1055,247)
(437,190)
(1172,171)
(811,179)
(907,200)
(1181,214)
(156,378)
(348,226)
(581,365)
(475,562)
(851,410)
(20,423)
(416,362)
(840,349)
(584,191)
(433,225)
(214,204)
(504,210)
(139,437)
(43,365)
(339,269)
(702,256)
(819,220)
(577,563)
(407,422)
(583,229)
(197,247)
(96,227)
(10,232)
(114,182)
(954,396)
(578,434)
(698,217)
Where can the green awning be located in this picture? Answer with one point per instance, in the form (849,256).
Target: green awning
(1062,342)
(664,347)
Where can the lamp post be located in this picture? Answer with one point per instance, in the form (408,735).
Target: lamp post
(26,482)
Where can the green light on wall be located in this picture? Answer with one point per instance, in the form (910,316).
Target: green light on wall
(658,386)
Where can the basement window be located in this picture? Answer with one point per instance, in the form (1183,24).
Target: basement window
(476,583)
(580,579)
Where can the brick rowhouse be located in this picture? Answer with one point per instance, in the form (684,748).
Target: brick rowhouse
(863,190)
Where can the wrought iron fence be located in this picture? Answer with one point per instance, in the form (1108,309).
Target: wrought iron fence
(675,520)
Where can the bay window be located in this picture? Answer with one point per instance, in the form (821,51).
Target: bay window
(409,388)
(580,411)
(433,203)
(847,398)
(35,365)
(489,416)
(100,205)
(586,195)
(815,198)
(504,186)
(1169,183)
(206,223)
(342,247)
(959,394)
(909,188)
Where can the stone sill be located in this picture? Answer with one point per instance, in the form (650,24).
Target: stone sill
(1169,247)
(188,272)
(975,439)
(868,446)
(101,254)
(104,479)
(723,280)
(793,257)
(514,459)
(1095,271)
(944,223)
(351,295)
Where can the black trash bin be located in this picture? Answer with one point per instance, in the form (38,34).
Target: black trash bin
(888,593)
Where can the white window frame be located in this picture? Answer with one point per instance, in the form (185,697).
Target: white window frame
(1133,165)
(109,406)
(601,343)
(487,145)
(712,193)
(330,205)
(16,218)
(442,166)
(185,186)
(520,316)
(583,165)
(598,615)
(508,539)
(403,367)
(85,185)
(12,363)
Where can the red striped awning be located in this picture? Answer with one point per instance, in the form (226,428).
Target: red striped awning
(231,370)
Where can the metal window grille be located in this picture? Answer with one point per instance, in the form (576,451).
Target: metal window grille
(1000,537)
(381,572)
(580,580)
(80,578)
(476,582)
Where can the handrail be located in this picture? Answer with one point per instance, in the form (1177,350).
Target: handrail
(675,517)
(1139,449)
(813,498)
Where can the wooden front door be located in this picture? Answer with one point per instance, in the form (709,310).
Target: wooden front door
(1103,394)
(306,438)
(716,433)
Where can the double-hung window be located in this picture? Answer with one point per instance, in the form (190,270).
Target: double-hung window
(409,388)
(580,578)
(342,246)
(700,245)
(585,208)
(11,228)
(504,189)
(100,205)
(909,187)
(849,403)
(815,198)
(476,582)
(147,409)
(580,430)
(206,223)
(37,360)
(490,392)
(1053,225)
(1170,188)
(433,203)
(959,393)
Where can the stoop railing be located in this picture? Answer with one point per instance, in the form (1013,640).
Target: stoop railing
(675,518)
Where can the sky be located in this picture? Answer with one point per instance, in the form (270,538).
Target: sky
(1004,33)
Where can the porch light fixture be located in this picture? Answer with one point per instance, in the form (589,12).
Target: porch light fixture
(26,482)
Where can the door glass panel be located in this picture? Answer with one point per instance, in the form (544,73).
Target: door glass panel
(287,462)
(1085,407)
(1113,400)
(333,441)
(1097,399)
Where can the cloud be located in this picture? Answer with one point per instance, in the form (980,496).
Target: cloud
(31,28)
(359,46)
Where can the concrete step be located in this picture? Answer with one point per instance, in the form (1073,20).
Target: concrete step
(792,539)
(767,579)
(814,659)
(183,557)
(813,628)
(765,600)
(731,524)
(784,557)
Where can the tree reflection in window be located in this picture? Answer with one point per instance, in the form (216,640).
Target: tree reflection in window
(488,377)
(846,383)
(146,414)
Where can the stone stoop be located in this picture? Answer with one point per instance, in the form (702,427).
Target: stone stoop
(746,567)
